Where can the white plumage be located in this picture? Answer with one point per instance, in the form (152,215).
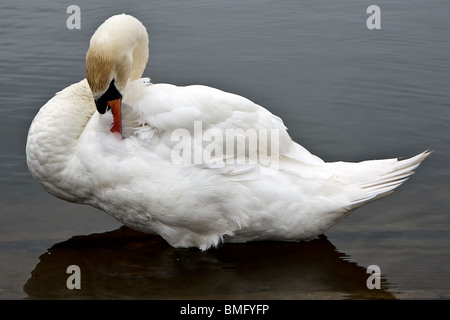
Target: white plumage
(73,153)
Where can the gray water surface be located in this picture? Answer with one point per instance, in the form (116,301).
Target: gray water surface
(345,93)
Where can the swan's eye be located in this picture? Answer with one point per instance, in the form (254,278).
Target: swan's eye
(111,94)
(101,105)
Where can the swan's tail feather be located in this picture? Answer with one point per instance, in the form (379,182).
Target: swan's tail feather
(392,174)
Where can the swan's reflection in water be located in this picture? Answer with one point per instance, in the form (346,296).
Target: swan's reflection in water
(124,264)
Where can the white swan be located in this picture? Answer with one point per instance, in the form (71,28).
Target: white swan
(125,158)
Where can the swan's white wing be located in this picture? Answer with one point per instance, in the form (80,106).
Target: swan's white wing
(224,126)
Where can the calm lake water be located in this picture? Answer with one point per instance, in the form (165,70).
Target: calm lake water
(345,92)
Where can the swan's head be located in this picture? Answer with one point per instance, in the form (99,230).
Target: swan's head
(118,53)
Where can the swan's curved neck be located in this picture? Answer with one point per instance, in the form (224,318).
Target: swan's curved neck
(118,50)
(53,136)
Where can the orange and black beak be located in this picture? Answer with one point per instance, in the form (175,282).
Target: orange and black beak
(116,109)
(112,99)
